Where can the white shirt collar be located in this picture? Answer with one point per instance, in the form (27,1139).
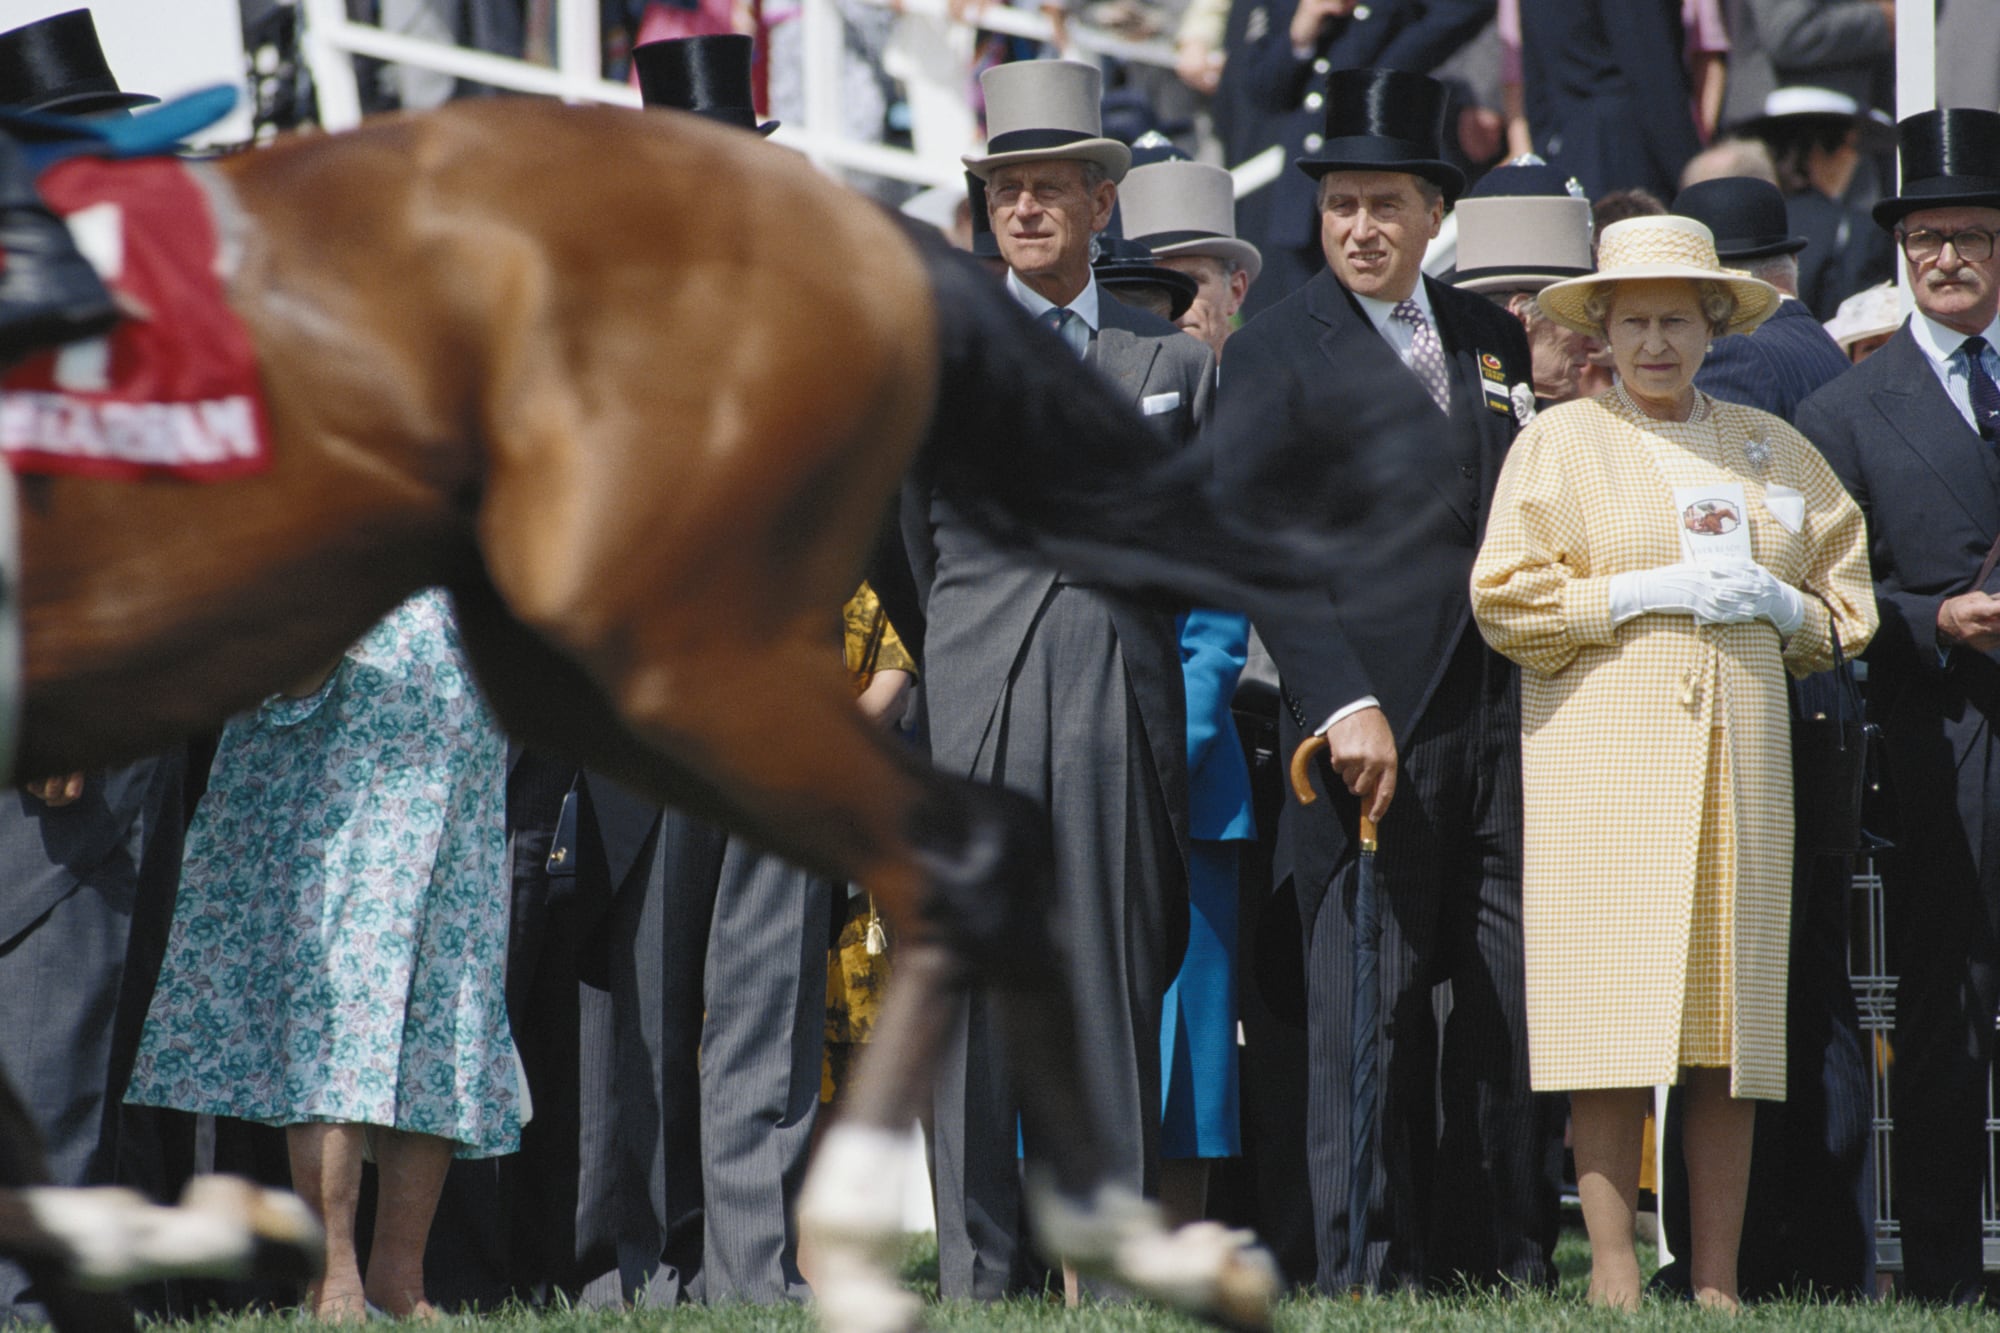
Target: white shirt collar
(1381,312)
(1085,305)
(1940,342)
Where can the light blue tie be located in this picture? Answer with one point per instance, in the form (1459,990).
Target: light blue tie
(1069,326)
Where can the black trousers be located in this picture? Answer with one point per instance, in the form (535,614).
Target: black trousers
(1942,906)
(1467,1158)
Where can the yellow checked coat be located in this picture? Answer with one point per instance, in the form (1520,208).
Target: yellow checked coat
(1620,727)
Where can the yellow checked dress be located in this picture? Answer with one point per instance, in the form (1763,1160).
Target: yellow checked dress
(1656,755)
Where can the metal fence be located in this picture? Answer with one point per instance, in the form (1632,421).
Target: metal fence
(1875,995)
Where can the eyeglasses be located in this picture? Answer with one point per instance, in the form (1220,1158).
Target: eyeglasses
(1974,245)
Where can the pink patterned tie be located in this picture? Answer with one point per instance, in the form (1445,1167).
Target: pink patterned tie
(1426,353)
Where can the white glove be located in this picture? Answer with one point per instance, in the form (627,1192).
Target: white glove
(1734,594)
(1670,589)
(1767,597)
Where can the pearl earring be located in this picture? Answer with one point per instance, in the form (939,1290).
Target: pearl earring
(1711,347)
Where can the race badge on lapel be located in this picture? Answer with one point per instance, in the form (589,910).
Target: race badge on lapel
(1493,382)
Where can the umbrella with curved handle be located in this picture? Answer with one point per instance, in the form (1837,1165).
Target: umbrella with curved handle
(1365,1026)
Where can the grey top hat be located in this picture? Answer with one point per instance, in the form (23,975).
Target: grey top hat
(1521,242)
(1046,111)
(1186,208)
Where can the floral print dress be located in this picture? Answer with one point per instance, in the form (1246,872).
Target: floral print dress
(340,939)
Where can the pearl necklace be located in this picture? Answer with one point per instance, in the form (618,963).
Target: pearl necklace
(1695,415)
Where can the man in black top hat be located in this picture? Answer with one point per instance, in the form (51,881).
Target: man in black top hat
(1809,1223)
(1913,432)
(49,293)
(1380,402)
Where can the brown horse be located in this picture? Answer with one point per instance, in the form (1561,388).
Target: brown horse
(640,392)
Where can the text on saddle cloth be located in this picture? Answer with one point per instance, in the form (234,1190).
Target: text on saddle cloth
(173,390)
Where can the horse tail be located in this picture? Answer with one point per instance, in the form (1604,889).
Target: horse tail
(1032,447)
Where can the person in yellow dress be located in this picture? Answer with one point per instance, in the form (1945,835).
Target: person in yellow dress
(1656,560)
(882,671)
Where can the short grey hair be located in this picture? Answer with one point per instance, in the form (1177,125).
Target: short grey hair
(1781,271)
(1717,301)
(1094,174)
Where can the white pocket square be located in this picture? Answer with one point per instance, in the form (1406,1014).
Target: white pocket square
(1155,403)
(1787,506)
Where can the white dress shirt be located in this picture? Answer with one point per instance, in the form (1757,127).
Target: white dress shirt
(1084,307)
(1940,344)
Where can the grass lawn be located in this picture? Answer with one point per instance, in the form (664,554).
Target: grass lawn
(1565,1310)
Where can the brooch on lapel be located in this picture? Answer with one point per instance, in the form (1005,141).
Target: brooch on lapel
(1522,397)
(1493,381)
(1758,451)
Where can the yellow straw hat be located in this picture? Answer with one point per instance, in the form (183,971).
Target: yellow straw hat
(1657,247)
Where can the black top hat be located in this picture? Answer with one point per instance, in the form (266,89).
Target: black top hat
(1123,263)
(1746,213)
(56,64)
(1385,120)
(984,244)
(1950,156)
(709,76)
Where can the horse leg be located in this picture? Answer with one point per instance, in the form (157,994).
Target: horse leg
(44,1257)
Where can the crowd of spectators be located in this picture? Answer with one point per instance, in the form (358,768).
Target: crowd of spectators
(610,1095)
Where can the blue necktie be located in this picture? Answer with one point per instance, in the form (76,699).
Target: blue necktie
(1985,395)
(1069,326)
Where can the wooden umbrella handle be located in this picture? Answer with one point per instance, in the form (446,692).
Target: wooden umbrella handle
(1369,839)
(1302,758)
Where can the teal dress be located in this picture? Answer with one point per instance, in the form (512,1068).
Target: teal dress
(339,944)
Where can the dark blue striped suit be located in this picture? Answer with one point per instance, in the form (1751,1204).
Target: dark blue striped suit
(1775,366)
(1810,1218)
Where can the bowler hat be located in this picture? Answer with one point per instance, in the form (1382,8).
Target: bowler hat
(1385,120)
(1126,263)
(1951,156)
(1746,214)
(708,75)
(56,64)
(1177,207)
(1046,111)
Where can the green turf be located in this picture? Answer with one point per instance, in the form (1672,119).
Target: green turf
(1467,1312)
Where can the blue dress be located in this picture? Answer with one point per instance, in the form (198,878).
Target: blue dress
(340,940)
(1200,1114)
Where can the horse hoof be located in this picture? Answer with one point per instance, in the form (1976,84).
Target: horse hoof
(1209,1270)
(1205,1269)
(853,1293)
(222,1227)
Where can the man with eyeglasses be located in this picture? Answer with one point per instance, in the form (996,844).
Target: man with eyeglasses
(1914,432)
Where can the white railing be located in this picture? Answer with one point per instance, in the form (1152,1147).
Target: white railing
(331,41)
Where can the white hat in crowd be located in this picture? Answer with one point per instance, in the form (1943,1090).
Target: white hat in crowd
(1867,314)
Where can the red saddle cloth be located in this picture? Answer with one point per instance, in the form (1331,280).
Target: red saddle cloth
(173,390)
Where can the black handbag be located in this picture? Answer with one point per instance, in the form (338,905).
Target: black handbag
(1831,744)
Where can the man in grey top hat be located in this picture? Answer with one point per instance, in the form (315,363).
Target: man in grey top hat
(1063,692)
(1520,229)
(1185,213)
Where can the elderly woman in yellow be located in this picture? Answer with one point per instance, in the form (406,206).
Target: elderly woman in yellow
(1656,560)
